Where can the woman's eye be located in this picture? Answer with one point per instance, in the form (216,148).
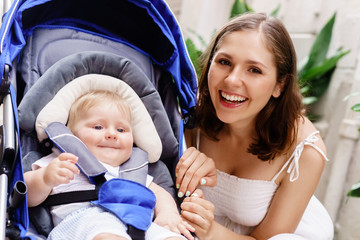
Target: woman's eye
(255,70)
(224,62)
(98,127)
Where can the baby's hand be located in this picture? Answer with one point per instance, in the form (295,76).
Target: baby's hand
(61,169)
(175,223)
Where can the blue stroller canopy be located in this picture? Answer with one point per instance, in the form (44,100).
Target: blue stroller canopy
(131,22)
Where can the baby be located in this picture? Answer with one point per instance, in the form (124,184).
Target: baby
(102,120)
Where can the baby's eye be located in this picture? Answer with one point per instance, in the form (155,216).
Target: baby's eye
(98,127)
(255,70)
(121,130)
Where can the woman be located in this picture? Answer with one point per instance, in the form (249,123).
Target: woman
(258,156)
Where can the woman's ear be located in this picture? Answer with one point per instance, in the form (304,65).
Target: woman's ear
(279,88)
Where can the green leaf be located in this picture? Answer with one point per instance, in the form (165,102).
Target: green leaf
(275,12)
(355,190)
(356,107)
(239,7)
(321,45)
(309,100)
(326,65)
(351,95)
(305,90)
(194,54)
(199,37)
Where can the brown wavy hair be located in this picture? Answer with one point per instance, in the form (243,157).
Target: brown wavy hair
(276,123)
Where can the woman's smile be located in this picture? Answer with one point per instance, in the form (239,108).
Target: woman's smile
(231,100)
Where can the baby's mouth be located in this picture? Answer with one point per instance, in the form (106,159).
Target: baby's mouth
(232,99)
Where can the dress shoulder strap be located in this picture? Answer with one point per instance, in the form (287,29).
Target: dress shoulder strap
(293,161)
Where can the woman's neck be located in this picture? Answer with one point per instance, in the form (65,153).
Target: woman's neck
(239,133)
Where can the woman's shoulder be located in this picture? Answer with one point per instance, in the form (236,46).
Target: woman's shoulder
(305,129)
(309,135)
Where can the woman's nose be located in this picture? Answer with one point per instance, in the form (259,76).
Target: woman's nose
(235,77)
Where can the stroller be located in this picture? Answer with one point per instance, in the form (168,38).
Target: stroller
(137,41)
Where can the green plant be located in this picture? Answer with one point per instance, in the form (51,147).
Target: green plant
(355,189)
(314,72)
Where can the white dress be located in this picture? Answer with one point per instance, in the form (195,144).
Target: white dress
(241,204)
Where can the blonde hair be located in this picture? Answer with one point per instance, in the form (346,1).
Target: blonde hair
(95,98)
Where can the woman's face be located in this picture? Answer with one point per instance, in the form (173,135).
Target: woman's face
(242,77)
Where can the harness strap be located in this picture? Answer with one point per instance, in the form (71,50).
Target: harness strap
(75,196)
(64,139)
(71,197)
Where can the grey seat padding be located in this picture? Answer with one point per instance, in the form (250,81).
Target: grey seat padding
(47,46)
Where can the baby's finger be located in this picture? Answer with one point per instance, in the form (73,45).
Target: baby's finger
(70,166)
(188,226)
(66,173)
(68,157)
(184,229)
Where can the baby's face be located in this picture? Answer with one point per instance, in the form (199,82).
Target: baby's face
(106,132)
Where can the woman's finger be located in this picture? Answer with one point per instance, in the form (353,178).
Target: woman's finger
(204,174)
(192,178)
(198,193)
(185,162)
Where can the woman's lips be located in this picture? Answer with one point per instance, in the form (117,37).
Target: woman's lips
(231,100)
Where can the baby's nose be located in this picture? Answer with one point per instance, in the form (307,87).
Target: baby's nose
(111,134)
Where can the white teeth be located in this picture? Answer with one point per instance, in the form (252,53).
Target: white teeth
(233,98)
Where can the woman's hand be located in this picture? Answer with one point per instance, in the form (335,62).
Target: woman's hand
(199,213)
(194,168)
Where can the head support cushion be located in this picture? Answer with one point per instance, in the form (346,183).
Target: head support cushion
(57,110)
(95,62)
